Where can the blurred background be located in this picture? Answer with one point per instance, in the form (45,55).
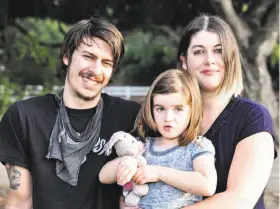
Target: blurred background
(31,33)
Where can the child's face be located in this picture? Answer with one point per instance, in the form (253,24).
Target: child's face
(171,114)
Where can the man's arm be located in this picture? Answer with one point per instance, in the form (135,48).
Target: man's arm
(248,175)
(20,192)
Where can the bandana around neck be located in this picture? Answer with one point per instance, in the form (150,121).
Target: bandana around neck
(68,147)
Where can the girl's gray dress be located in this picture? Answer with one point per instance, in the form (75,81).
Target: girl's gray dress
(164,196)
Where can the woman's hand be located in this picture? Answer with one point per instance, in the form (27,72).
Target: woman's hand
(146,174)
(126,170)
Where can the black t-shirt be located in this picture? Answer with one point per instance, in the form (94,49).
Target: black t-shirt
(80,118)
(25,130)
(240,119)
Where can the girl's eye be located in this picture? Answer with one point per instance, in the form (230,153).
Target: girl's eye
(179,109)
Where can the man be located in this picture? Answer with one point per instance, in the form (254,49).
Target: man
(52,145)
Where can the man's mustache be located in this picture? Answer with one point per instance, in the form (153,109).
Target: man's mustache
(92,76)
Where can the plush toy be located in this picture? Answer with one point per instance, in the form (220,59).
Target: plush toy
(127,145)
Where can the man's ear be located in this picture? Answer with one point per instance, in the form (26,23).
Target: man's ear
(65,60)
(184,61)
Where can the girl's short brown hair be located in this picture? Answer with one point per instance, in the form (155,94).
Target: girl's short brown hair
(172,81)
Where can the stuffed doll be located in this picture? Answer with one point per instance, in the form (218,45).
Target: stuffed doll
(127,145)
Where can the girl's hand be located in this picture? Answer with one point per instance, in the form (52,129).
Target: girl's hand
(123,206)
(146,174)
(126,170)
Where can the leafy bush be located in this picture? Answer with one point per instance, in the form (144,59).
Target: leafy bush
(11,92)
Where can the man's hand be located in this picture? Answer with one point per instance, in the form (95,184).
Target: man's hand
(146,174)
(126,170)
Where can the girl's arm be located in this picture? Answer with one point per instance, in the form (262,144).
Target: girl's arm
(249,173)
(119,170)
(201,182)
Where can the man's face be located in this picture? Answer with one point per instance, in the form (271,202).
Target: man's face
(89,70)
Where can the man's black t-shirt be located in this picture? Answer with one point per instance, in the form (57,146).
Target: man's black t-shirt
(79,118)
(25,130)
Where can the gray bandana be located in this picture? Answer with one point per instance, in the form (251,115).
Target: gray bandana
(69,147)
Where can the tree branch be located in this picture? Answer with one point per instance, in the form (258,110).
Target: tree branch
(61,28)
(257,10)
(4,4)
(25,32)
(239,26)
(264,40)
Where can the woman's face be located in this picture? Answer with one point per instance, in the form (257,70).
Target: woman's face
(204,59)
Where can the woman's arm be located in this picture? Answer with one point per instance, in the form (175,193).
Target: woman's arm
(249,172)
(201,182)
(119,170)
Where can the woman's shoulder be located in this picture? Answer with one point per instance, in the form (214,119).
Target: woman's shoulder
(246,109)
(249,105)
(255,118)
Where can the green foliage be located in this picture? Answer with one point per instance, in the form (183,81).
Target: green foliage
(245,7)
(45,31)
(143,46)
(11,92)
(29,46)
(35,52)
(146,55)
(274,59)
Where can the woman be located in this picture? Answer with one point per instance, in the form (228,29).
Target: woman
(240,129)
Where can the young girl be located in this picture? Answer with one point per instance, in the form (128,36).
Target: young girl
(180,166)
